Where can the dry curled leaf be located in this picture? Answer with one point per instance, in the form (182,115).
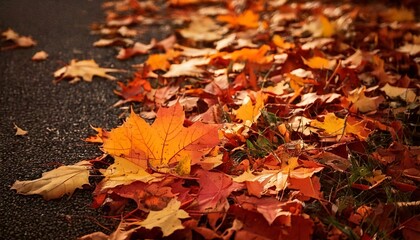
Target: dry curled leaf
(20,131)
(57,182)
(39,56)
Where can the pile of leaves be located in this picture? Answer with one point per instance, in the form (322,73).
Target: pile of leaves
(256,120)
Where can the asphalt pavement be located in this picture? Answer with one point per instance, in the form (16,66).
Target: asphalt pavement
(57,116)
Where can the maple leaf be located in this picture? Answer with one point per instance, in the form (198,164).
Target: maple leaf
(57,182)
(247,19)
(319,63)
(335,126)
(214,189)
(114,41)
(84,69)
(167,219)
(249,112)
(164,143)
(158,61)
(362,103)
(187,68)
(249,54)
(203,29)
(133,91)
(406,94)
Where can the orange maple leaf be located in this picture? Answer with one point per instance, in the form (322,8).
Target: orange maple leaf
(256,55)
(158,61)
(248,19)
(164,144)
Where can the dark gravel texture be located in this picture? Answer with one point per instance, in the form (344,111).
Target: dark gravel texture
(56,116)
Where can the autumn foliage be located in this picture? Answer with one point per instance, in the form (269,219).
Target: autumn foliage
(257,120)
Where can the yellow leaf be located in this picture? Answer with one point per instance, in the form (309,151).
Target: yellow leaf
(319,63)
(279,42)
(57,182)
(250,112)
(377,177)
(84,69)
(335,126)
(184,166)
(20,131)
(327,28)
(296,82)
(332,125)
(124,172)
(167,219)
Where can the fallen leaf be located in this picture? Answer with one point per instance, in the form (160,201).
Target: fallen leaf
(113,42)
(412,49)
(335,126)
(167,219)
(279,42)
(20,131)
(20,41)
(247,19)
(203,29)
(320,27)
(163,144)
(319,63)
(249,112)
(362,103)
(39,56)
(57,182)
(137,49)
(134,91)
(124,172)
(406,94)
(214,189)
(84,69)
(250,54)
(187,68)
(158,61)
(148,196)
